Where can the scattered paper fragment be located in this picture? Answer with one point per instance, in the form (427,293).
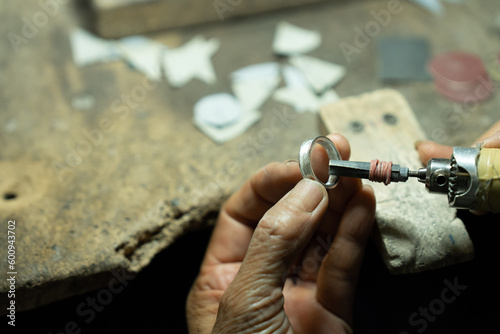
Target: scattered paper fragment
(256,71)
(232,130)
(294,77)
(218,110)
(328,97)
(11,125)
(254,84)
(83,101)
(143,54)
(299,94)
(303,99)
(88,49)
(320,74)
(190,61)
(222,117)
(222,135)
(292,40)
(433,6)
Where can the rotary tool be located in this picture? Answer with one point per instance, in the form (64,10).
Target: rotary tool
(470,177)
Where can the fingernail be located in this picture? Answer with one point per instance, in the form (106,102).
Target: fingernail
(310,193)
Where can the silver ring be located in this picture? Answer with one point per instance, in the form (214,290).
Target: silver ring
(305,160)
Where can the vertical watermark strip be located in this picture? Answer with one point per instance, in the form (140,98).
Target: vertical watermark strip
(11,272)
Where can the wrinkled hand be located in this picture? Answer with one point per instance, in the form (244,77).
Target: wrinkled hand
(284,255)
(429,149)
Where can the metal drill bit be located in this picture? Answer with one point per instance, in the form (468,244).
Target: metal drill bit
(361,170)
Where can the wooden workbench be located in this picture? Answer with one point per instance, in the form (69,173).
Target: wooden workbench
(97,192)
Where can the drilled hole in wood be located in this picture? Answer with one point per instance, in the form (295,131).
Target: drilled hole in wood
(9,196)
(356,126)
(390,118)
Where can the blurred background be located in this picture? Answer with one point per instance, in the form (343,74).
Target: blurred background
(125,124)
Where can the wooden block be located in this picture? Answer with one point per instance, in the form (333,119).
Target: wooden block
(118,18)
(416,231)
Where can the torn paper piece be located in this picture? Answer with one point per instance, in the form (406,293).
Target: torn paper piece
(224,134)
(83,101)
(254,84)
(294,77)
(291,40)
(303,99)
(256,71)
(433,6)
(143,54)
(190,61)
(320,74)
(88,49)
(254,93)
(328,97)
(218,110)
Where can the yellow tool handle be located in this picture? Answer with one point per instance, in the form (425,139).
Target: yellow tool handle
(488,166)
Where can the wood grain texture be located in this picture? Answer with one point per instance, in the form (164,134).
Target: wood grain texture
(118,18)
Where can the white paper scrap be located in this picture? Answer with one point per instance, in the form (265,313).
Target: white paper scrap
(254,84)
(256,71)
(303,99)
(143,54)
(218,110)
(294,77)
(190,61)
(88,49)
(224,134)
(320,74)
(290,40)
(433,6)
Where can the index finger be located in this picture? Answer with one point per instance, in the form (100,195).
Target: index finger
(493,141)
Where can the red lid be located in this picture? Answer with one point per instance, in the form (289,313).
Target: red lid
(461,77)
(479,91)
(457,68)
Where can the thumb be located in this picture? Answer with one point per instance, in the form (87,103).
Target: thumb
(284,230)
(428,149)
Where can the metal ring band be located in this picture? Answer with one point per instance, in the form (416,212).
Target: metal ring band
(305,159)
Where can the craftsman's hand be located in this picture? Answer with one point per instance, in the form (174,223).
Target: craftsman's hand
(429,149)
(284,255)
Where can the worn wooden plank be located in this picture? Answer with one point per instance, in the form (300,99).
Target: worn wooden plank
(154,176)
(117,18)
